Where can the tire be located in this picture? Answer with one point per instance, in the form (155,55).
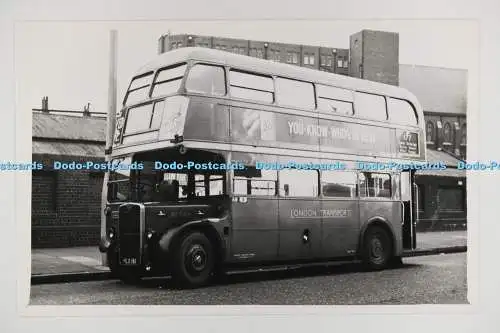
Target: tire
(193,262)
(377,253)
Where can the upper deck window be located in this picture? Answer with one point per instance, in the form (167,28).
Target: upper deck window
(144,117)
(138,118)
(168,80)
(295,93)
(251,86)
(335,100)
(139,89)
(370,106)
(206,79)
(401,112)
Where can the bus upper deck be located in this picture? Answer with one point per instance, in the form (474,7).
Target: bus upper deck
(202,96)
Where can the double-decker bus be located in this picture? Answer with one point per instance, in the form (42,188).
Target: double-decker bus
(228,162)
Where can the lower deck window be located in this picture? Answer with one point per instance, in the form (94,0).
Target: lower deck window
(375,185)
(251,181)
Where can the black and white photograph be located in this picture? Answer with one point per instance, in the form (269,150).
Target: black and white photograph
(213,166)
(211,163)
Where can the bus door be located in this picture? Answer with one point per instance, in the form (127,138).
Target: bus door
(254,215)
(340,213)
(409,200)
(299,215)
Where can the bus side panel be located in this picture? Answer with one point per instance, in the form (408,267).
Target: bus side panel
(340,227)
(254,229)
(300,228)
(390,211)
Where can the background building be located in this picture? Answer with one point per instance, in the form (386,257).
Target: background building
(65,205)
(327,59)
(443,95)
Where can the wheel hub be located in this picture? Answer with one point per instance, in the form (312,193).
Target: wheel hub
(377,249)
(197,258)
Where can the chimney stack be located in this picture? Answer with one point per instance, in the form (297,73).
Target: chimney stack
(45,104)
(86,110)
(374,56)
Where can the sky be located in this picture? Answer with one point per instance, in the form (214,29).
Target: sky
(69,61)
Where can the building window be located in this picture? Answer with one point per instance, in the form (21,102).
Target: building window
(463,138)
(429,131)
(329,61)
(274,55)
(236,49)
(260,54)
(339,63)
(243,51)
(309,59)
(451,199)
(447,133)
(346,64)
(292,57)
(323,60)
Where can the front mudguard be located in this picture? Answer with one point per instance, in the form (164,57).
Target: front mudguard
(166,239)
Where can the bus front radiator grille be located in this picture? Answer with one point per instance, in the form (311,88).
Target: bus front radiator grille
(129,234)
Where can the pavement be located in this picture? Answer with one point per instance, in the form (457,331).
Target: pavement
(77,264)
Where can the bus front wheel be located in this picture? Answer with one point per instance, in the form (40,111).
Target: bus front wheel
(193,262)
(377,248)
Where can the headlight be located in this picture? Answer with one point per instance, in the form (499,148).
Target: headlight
(150,234)
(111,233)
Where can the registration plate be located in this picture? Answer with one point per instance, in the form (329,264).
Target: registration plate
(129,261)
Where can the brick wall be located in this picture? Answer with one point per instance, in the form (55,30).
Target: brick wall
(375,56)
(65,209)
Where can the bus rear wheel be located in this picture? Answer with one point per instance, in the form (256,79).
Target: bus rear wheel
(193,262)
(377,248)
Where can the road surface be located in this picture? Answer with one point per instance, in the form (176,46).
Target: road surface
(439,279)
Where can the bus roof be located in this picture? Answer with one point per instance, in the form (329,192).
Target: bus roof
(269,67)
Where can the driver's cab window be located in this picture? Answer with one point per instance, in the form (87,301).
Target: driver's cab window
(181,179)
(208,185)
